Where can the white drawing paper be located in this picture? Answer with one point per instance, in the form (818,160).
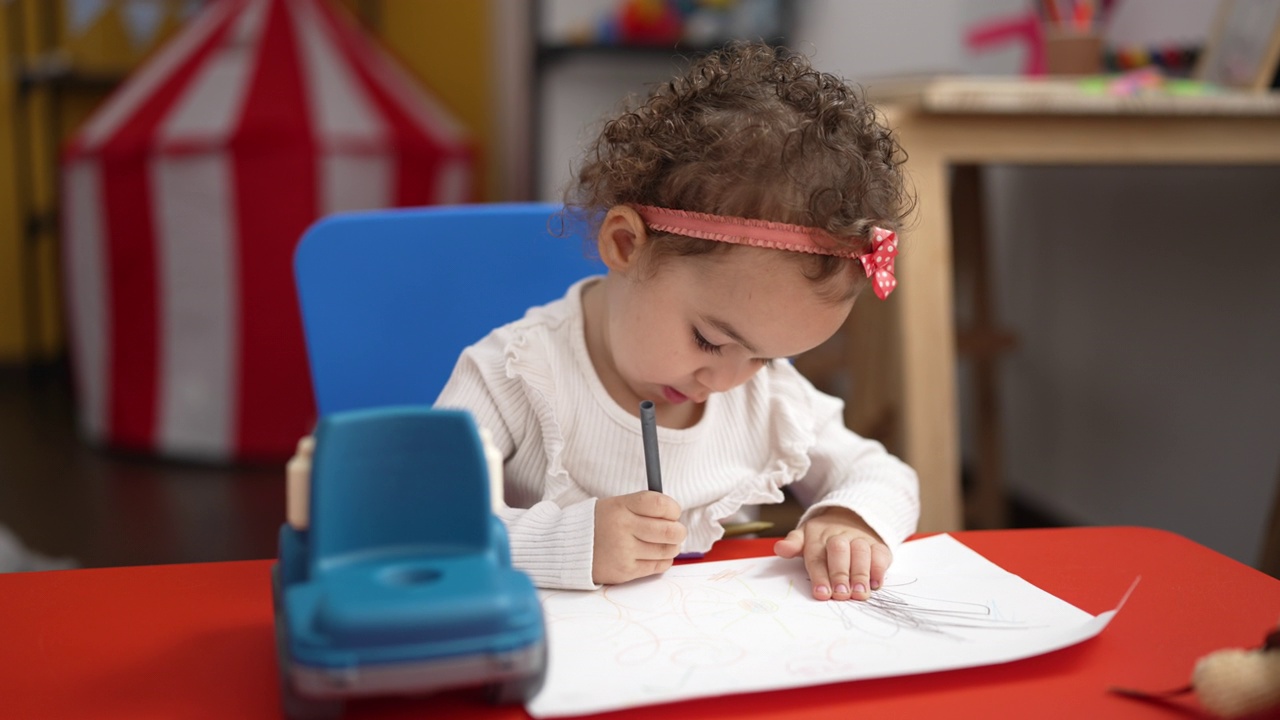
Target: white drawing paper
(750,625)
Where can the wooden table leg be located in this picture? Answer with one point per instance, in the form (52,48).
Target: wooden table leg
(1269,559)
(924,295)
(981,342)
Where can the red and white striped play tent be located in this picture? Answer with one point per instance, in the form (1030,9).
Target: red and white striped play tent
(184,196)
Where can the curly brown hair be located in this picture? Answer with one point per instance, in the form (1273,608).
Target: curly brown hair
(752,130)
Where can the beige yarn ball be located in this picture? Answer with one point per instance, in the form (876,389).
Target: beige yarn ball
(1232,683)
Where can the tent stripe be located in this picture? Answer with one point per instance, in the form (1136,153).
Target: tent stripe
(424,110)
(196,243)
(341,110)
(208,111)
(418,157)
(355,172)
(132,296)
(199,343)
(275,192)
(144,83)
(89,314)
(455,181)
(355,182)
(407,110)
(129,258)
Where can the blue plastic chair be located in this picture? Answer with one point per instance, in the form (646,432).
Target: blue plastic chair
(390,298)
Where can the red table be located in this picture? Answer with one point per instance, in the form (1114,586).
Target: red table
(195,641)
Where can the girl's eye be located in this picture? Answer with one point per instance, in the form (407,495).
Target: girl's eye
(704,344)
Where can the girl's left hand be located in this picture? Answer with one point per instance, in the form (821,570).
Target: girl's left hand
(844,557)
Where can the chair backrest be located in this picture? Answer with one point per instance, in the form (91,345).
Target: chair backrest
(398,481)
(389,298)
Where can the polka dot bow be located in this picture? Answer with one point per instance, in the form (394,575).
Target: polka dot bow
(879,262)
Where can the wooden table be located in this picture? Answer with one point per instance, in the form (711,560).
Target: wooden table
(195,641)
(947,122)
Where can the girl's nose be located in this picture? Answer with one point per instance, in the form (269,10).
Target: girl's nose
(725,374)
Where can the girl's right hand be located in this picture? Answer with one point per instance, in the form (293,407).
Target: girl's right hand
(636,535)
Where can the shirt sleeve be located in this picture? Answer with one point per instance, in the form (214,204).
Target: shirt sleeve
(552,544)
(853,472)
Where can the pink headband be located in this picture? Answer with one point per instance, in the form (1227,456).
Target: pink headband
(778,236)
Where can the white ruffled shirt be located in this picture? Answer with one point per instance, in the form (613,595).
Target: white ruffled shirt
(566,442)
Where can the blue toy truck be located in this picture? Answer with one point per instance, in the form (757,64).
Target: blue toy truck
(401,581)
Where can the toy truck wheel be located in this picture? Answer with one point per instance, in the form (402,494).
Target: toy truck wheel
(520,690)
(297,707)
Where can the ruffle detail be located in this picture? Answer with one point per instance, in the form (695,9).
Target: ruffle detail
(539,386)
(794,436)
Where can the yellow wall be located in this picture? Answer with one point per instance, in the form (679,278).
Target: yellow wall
(444,43)
(33,124)
(11,305)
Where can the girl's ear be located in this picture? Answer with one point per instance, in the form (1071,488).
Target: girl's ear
(622,235)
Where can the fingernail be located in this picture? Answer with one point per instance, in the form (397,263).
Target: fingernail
(821,590)
(875,585)
(859,588)
(841,589)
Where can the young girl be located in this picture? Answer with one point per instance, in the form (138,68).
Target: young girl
(739,211)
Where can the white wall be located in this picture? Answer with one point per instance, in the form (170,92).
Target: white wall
(1146,388)
(576,94)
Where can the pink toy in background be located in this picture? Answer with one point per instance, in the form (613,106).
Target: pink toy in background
(1025,29)
(683,23)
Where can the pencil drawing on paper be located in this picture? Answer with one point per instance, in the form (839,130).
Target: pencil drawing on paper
(901,610)
(750,625)
(695,620)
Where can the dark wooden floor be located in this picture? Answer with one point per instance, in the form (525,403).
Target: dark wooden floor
(63,498)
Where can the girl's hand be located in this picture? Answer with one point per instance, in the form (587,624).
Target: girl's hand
(844,557)
(636,535)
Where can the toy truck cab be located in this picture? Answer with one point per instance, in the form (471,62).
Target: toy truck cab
(401,580)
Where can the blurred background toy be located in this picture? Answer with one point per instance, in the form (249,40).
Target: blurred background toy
(685,23)
(1230,683)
